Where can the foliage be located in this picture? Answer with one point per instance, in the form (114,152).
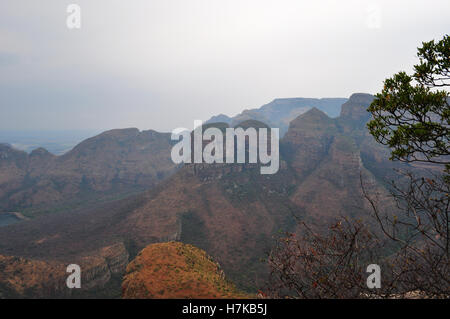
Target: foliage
(414,121)
(411,115)
(420,228)
(323,266)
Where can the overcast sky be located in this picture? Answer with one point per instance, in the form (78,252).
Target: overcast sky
(161,64)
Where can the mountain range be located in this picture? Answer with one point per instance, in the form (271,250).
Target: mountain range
(111,165)
(230,211)
(280,112)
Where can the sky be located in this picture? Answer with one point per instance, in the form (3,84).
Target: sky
(161,64)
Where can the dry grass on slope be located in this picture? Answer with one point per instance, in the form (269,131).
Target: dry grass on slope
(176,270)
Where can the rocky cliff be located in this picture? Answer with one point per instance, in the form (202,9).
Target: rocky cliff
(33,278)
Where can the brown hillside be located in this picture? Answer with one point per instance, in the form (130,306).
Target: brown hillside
(176,270)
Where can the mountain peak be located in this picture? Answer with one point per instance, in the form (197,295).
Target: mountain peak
(355,108)
(176,270)
(252,123)
(314,115)
(361,97)
(281,111)
(8,151)
(40,152)
(5,146)
(219,118)
(121,132)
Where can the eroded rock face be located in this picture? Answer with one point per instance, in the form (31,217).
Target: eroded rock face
(33,278)
(116,258)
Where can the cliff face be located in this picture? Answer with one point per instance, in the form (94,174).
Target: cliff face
(308,140)
(99,267)
(174,270)
(112,164)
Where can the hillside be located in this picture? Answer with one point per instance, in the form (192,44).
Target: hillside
(173,271)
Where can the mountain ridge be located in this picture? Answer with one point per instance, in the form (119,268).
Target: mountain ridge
(281,111)
(115,162)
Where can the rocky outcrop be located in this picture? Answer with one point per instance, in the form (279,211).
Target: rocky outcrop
(116,257)
(99,267)
(32,278)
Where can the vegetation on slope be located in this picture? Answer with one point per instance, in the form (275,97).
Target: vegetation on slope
(176,270)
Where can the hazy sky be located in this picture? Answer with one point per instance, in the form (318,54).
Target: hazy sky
(161,64)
